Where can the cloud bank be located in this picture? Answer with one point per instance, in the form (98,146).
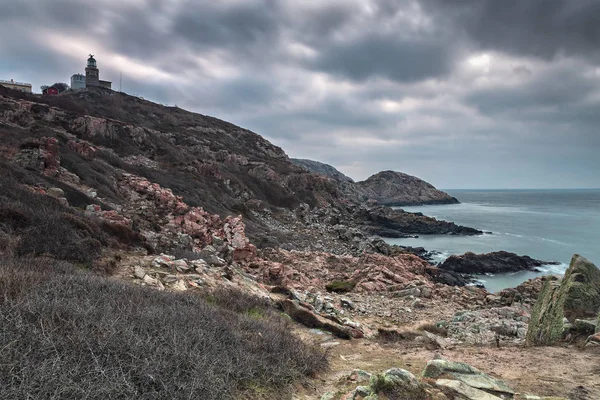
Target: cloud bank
(462,93)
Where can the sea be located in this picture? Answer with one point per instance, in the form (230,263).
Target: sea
(549,225)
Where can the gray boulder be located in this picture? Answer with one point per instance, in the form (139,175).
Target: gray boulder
(468,375)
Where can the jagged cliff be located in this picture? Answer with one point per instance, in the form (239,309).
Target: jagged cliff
(154,165)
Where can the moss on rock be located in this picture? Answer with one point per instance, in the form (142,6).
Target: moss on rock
(576,296)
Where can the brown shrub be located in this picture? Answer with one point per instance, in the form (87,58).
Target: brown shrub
(71,334)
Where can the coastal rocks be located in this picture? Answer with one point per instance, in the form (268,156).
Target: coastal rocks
(526,293)
(491,263)
(492,326)
(467,375)
(560,303)
(449,278)
(389,222)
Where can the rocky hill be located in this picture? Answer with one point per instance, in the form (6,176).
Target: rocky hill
(152,164)
(388,188)
(397,189)
(322,169)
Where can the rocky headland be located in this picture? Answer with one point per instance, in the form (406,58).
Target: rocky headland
(389,188)
(393,188)
(150,199)
(498,262)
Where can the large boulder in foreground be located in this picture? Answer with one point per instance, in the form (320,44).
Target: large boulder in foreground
(560,303)
(497,262)
(467,380)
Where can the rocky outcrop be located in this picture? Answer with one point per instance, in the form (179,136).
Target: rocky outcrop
(397,189)
(491,263)
(388,222)
(322,169)
(561,303)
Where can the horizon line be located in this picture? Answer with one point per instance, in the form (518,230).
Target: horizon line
(590,188)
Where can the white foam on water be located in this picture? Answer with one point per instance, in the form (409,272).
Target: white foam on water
(554,269)
(440,256)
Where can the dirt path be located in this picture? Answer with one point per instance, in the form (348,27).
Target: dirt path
(548,371)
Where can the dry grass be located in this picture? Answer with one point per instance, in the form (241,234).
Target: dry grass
(69,334)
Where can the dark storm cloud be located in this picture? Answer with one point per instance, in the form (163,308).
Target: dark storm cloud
(554,89)
(389,57)
(543,28)
(460,92)
(215,25)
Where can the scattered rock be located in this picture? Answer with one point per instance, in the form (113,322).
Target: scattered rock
(468,375)
(55,192)
(181,266)
(179,286)
(347,303)
(396,381)
(163,261)
(485,326)
(358,375)
(139,272)
(465,390)
(150,281)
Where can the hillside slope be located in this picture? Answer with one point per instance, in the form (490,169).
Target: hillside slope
(157,166)
(322,168)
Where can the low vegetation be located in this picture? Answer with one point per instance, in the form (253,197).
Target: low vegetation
(71,334)
(340,286)
(33,224)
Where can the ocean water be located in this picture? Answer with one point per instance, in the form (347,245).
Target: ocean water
(549,225)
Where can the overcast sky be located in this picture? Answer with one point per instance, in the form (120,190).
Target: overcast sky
(462,93)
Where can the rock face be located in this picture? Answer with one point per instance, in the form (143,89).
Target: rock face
(491,263)
(322,169)
(397,189)
(130,153)
(560,303)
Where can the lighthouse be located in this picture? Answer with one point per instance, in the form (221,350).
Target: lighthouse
(92,75)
